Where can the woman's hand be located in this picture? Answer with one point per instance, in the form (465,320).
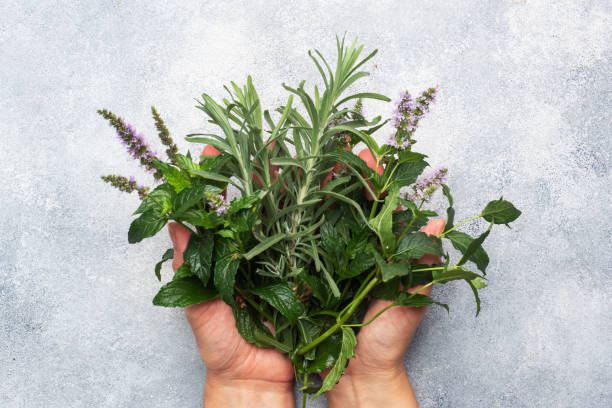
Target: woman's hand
(238,374)
(376,376)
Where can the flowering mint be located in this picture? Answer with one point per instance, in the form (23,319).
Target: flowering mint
(425,185)
(123,184)
(164,136)
(217,203)
(134,142)
(406,117)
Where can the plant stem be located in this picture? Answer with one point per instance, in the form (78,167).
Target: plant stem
(388,307)
(341,319)
(458,225)
(254,304)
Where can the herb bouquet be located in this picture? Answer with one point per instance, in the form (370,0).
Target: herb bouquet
(317,231)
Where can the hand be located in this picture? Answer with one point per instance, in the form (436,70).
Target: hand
(376,376)
(238,374)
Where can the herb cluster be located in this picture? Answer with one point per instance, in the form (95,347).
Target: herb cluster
(318,231)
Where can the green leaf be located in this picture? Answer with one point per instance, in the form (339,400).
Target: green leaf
(251,328)
(347,350)
(450,211)
(200,218)
(462,241)
(500,212)
(314,283)
(209,175)
(169,254)
(145,226)
(391,270)
(160,199)
(475,249)
(173,176)
(473,285)
(286,161)
(199,255)
(408,172)
(363,261)
(183,292)
(326,353)
(226,267)
(387,290)
(243,203)
(188,197)
(183,271)
(186,163)
(281,297)
(417,244)
(263,245)
(382,224)
(417,300)
(452,274)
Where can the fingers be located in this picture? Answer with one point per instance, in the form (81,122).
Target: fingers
(180,239)
(434,227)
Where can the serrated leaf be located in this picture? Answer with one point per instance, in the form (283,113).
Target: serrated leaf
(169,254)
(145,226)
(160,199)
(250,326)
(199,255)
(243,203)
(347,350)
(408,172)
(183,292)
(188,197)
(382,224)
(391,270)
(183,271)
(500,212)
(226,267)
(417,300)
(462,241)
(326,353)
(200,218)
(417,244)
(281,297)
(173,176)
(475,249)
(450,211)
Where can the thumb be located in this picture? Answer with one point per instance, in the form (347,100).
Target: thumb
(180,238)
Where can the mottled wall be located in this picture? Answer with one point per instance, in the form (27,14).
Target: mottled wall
(524,111)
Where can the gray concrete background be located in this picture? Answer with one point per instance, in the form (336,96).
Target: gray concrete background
(524,111)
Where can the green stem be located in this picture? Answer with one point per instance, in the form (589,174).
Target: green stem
(304,395)
(341,319)
(255,305)
(458,225)
(387,308)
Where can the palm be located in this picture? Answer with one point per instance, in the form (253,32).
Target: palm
(222,348)
(225,351)
(382,343)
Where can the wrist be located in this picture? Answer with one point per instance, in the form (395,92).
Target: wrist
(238,393)
(390,389)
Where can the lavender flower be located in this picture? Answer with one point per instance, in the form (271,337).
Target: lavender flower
(217,203)
(128,186)
(134,142)
(425,185)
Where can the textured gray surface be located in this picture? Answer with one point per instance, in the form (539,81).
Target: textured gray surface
(524,111)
